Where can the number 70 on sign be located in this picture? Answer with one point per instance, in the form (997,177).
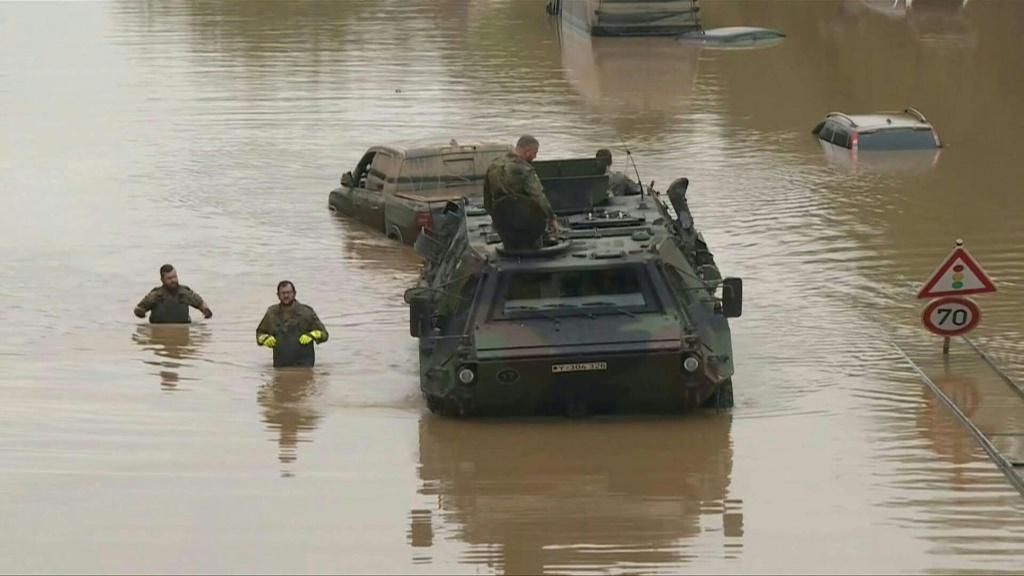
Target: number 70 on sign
(951,316)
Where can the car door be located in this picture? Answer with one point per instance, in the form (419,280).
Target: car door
(348,199)
(371,199)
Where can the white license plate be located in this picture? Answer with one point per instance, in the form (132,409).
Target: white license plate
(578,367)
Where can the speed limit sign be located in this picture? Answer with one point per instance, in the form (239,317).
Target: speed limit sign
(951,316)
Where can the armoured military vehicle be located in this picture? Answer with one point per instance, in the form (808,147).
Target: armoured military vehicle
(626,312)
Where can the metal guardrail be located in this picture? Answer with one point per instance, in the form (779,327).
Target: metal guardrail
(1005,466)
(1002,374)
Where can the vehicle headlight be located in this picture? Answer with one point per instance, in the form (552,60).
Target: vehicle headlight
(466,375)
(691,363)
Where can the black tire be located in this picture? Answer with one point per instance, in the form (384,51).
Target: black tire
(448,407)
(722,398)
(435,404)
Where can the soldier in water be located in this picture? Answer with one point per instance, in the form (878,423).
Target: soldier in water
(169,302)
(290,329)
(514,197)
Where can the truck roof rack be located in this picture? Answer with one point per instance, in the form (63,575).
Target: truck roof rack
(917,114)
(843,116)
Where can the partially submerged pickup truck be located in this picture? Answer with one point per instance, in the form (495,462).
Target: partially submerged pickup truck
(399,189)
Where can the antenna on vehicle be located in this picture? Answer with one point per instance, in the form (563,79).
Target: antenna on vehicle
(635,169)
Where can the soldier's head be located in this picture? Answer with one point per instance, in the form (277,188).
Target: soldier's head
(169,277)
(527,147)
(605,155)
(286,292)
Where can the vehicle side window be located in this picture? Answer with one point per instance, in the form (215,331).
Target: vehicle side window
(826,132)
(457,171)
(841,137)
(897,139)
(381,169)
(363,169)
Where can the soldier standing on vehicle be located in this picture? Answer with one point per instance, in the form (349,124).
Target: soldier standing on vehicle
(618,183)
(169,302)
(290,329)
(509,181)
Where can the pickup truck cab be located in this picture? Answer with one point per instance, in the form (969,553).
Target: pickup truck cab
(399,189)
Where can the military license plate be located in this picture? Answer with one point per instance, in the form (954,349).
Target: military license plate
(578,367)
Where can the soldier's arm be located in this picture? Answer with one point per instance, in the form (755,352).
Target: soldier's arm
(265,327)
(316,324)
(146,304)
(196,301)
(629,184)
(534,188)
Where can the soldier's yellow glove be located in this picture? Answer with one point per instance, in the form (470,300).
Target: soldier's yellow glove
(311,336)
(266,340)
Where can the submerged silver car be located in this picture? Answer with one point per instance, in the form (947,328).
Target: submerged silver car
(906,130)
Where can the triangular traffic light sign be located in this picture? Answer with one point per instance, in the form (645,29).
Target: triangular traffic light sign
(960,274)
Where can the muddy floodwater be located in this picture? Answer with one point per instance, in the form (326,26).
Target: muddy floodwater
(208,135)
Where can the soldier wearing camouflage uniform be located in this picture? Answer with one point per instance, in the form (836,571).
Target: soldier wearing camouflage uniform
(618,183)
(509,181)
(290,329)
(169,302)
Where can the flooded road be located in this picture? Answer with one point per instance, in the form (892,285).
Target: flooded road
(208,136)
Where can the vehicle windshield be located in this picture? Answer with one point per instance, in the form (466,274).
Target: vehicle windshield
(617,288)
(897,139)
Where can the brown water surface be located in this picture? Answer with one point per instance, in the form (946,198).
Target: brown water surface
(209,134)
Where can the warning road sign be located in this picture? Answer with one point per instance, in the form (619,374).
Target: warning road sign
(951,316)
(958,275)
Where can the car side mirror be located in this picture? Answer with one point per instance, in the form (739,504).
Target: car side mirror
(347,180)
(732,297)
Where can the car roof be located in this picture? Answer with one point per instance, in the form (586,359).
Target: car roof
(425,149)
(731,31)
(908,118)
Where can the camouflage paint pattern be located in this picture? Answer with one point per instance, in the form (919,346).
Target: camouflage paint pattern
(287,324)
(169,307)
(609,358)
(620,185)
(511,175)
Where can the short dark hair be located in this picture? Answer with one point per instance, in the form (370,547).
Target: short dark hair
(604,154)
(526,142)
(284,283)
(165,270)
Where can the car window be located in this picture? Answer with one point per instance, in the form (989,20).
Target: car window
(826,132)
(438,175)
(382,168)
(363,169)
(841,137)
(897,139)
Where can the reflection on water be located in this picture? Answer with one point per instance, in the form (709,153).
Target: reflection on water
(938,24)
(533,498)
(880,163)
(174,346)
(632,83)
(939,426)
(289,409)
(209,135)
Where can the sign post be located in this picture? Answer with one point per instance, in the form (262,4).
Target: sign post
(950,313)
